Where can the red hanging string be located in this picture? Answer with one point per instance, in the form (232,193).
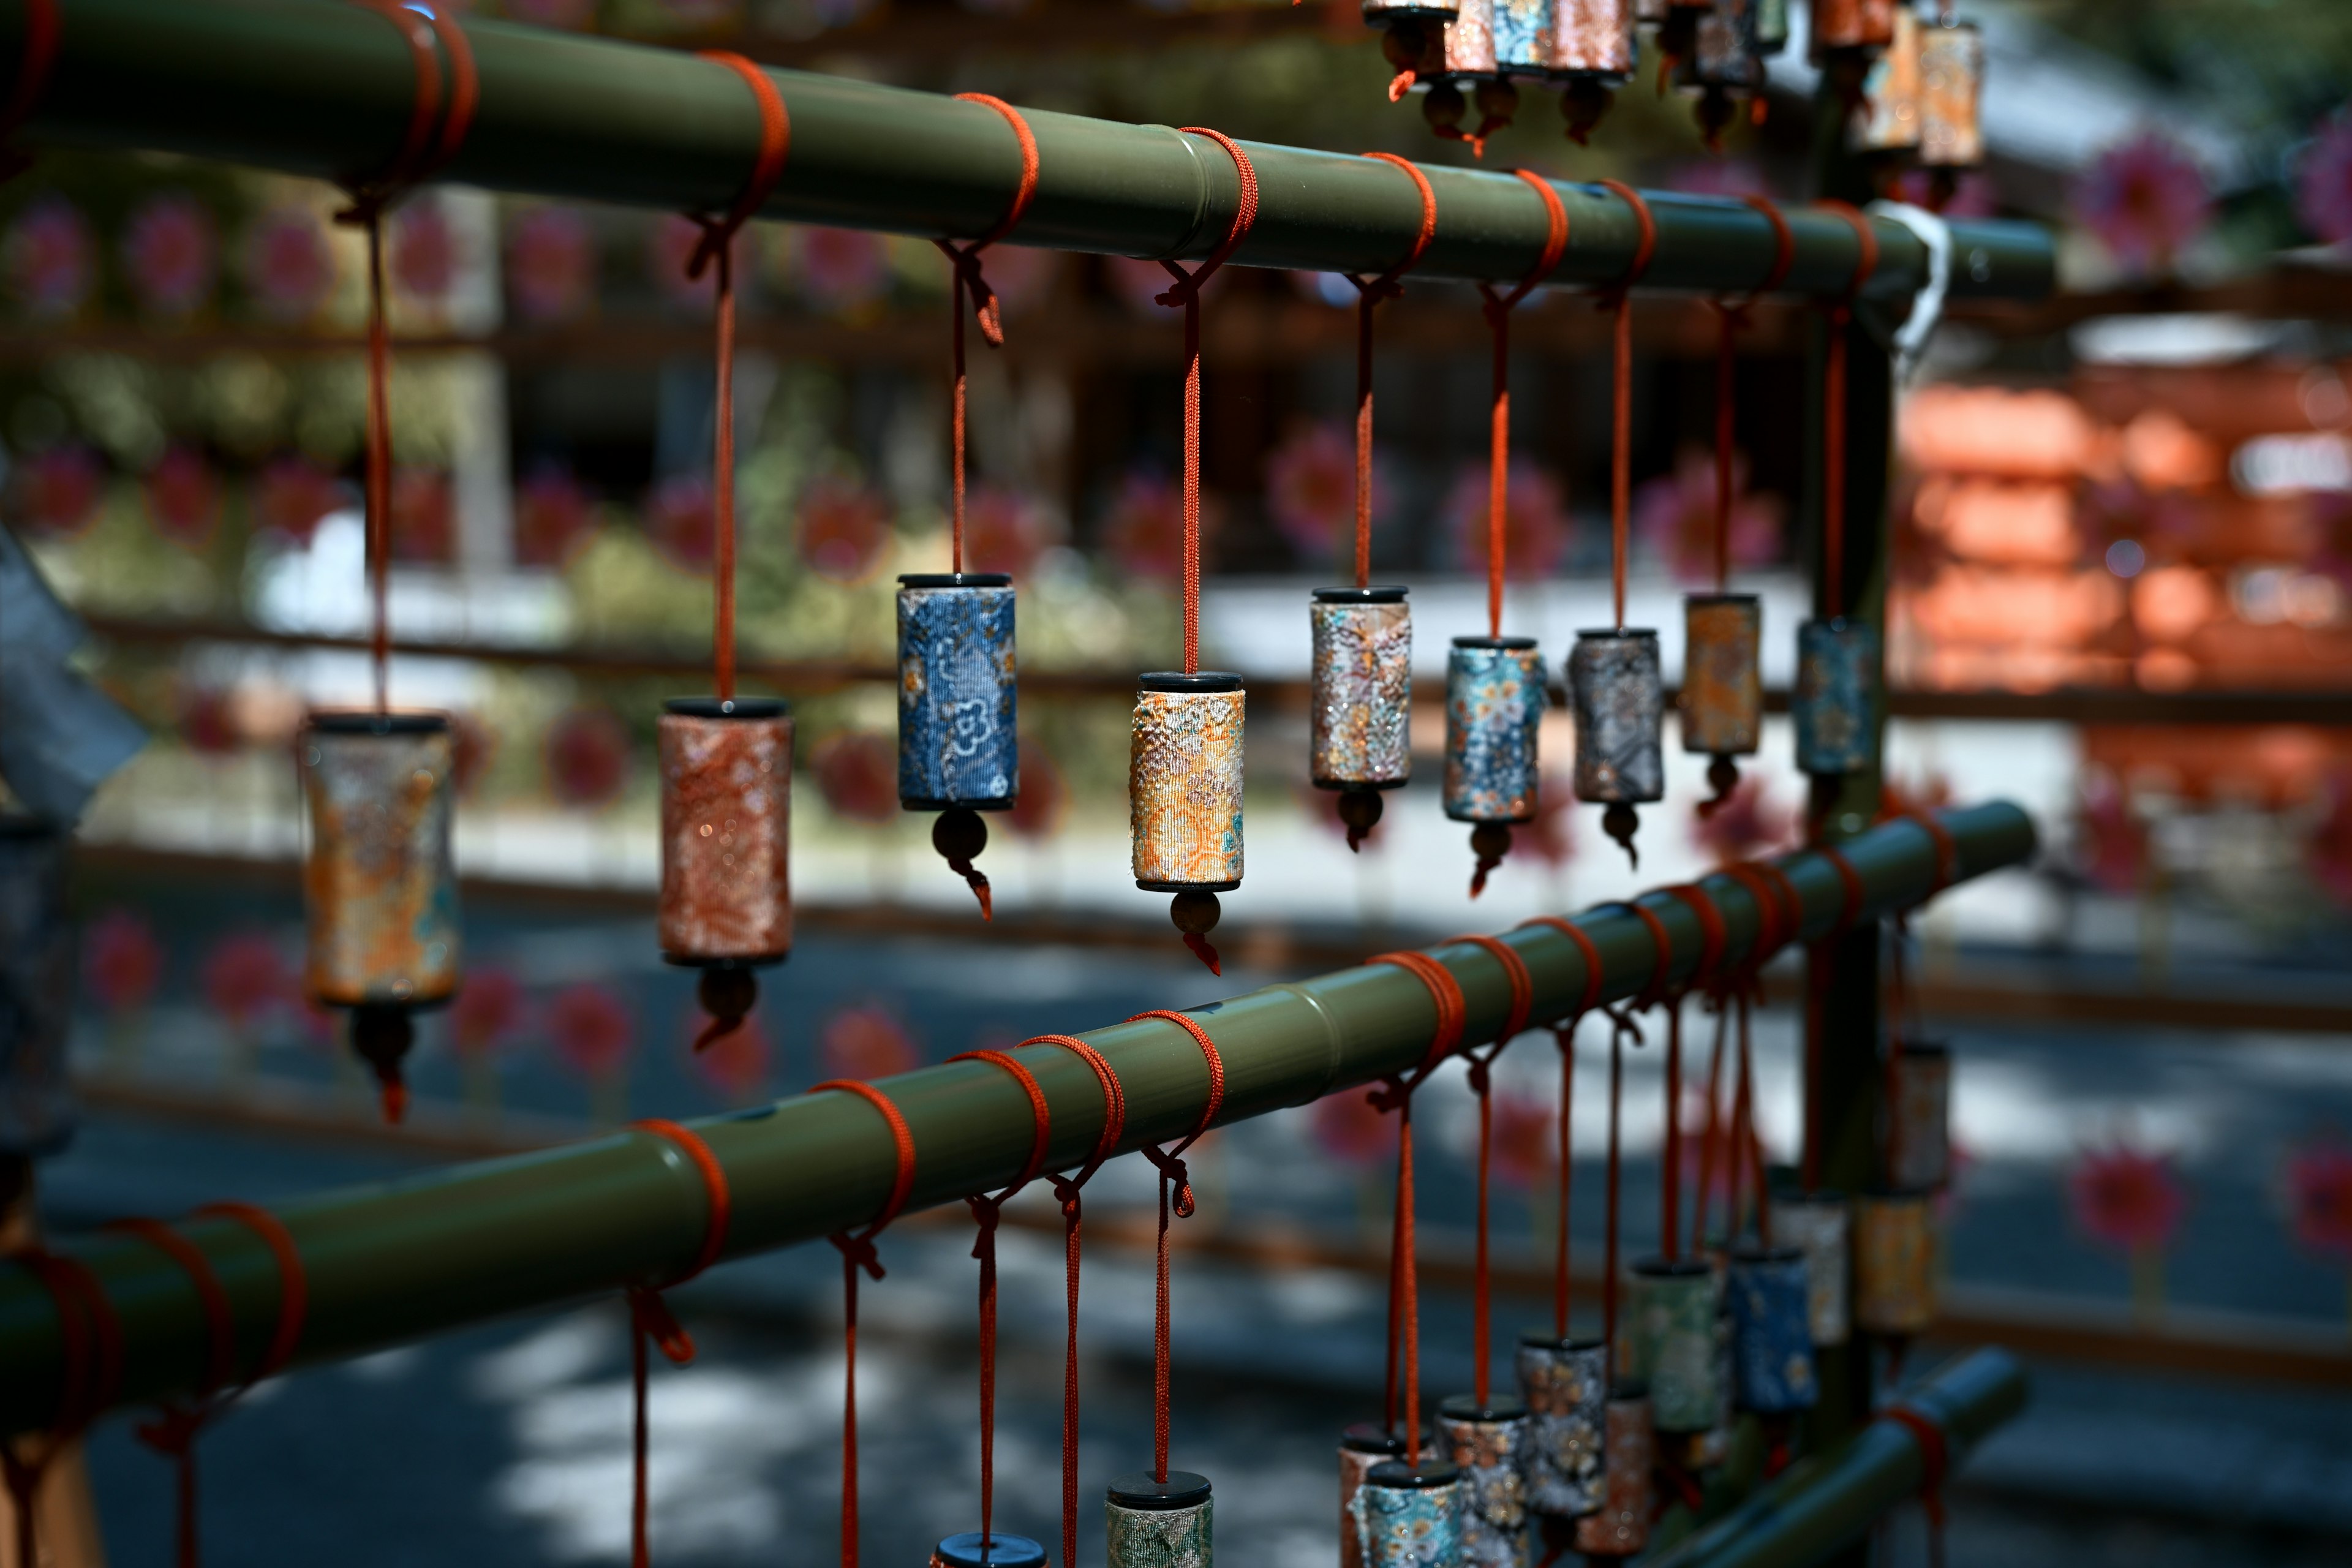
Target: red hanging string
(421,152)
(1731,317)
(971,284)
(1564,1037)
(1370,292)
(1522,986)
(1068,1190)
(1171,1166)
(1777,914)
(1405,1270)
(717,245)
(857,1252)
(1498,319)
(986,1211)
(650,1318)
(1617,298)
(38,54)
(1187,295)
(1653,993)
(89,1358)
(1841,316)
(1935,1461)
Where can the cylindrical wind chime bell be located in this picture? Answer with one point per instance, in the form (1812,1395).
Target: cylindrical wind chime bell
(1003,1551)
(1820,1226)
(1614,677)
(1490,1445)
(959,740)
(726,905)
(1565,1385)
(1894,1288)
(1361,740)
(1409,1516)
(1725,67)
(1184,789)
(1952,88)
(1495,701)
(1834,704)
(1919,1152)
(1159,1524)
(1442,47)
(1886,126)
(1362,1446)
(379,789)
(1621,1526)
(1676,1343)
(1593,53)
(1722,699)
(1772,1331)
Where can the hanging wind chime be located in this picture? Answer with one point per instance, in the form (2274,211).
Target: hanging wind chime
(726,761)
(1725,66)
(1593,53)
(379,785)
(1835,703)
(1439,46)
(1620,1527)
(1495,695)
(1951,91)
(1613,676)
(1844,37)
(1722,699)
(1184,762)
(959,739)
(1885,127)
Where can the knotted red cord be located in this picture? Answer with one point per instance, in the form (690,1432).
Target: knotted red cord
(1621,1026)
(1732,316)
(1068,1190)
(1935,1460)
(650,1317)
(1618,297)
(1841,315)
(1171,1166)
(717,245)
(89,1356)
(1778,914)
(986,1210)
(1404,1272)
(857,1252)
(1498,308)
(1564,1037)
(1522,984)
(973,284)
(421,152)
(33,65)
(1370,292)
(1187,294)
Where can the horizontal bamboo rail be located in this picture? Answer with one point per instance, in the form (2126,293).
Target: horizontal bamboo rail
(321,89)
(422,1256)
(1821,1504)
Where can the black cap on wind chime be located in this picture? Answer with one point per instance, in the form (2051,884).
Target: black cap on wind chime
(959,740)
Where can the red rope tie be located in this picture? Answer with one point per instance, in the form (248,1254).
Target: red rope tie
(173,1433)
(90,1346)
(986,1210)
(1852,894)
(1935,1462)
(716,247)
(1067,1189)
(1522,984)
(1617,298)
(1370,292)
(1498,308)
(1564,1038)
(857,1252)
(33,65)
(1840,314)
(1405,1272)
(651,1318)
(1712,935)
(972,284)
(1940,839)
(1171,1166)
(1731,318)
(1187,294)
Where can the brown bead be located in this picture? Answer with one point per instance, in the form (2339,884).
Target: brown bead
(1444,106)
(1621,822)
(381,1035)
(1583,103)
(1359,810)
(1194,912)
(959,834)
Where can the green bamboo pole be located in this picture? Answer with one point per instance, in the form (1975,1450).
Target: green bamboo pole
(396,1262)
(1821,1505)
(323,90)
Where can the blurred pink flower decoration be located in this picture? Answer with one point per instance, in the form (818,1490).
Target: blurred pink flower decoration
(244,978)
(588,755)
(184,498)
(551,265)
(2319,1197)
(122,962)
(423,251)
(682,521)
(171,254)
(2146,200)
(1044,798)
(2322,185)
(736,1064)
(2328,851)
(843,529)
(857,773)
(1003,530)
(1752,822)
(553,513)
(1675,514)
(1348,1129)
(1310,491)
(2113,843)
(286,265)
(424,516)
(866,1042)
(1143,532)
(591,1029)
(1551,836)
(1022,275)
(207,722)
(1535,521)
(60,489)
(292,495)
(486,1013)
(472,745)
(50,259)
(2126,1199)
(1526,1139)
(841,271)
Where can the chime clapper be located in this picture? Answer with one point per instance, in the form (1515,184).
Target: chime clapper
(381,1034)
(1196,912)
(1359,810)
(728,994)
(959,836)
(1582,103)
(1722,777)
(1490,841)
(1621,822)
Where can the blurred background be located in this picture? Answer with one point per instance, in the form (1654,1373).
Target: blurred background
(2121,596)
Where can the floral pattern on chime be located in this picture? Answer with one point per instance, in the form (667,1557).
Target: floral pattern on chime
(1495,701)
(1722,699)
(1409,1518)
(1771,1337)
(1564,1383)
(1161,1535)
(1894,1263)
(726,830)
(1184,783)
(1951,86)
(959,743)
(1621,1527)
(1619,710)
(1818,1225)
(1360,708)
(1835,703)
(1361,1446)
(1488,1445)
(1675,1319)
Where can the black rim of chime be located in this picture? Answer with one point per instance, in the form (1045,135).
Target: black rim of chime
(1139,1492)
(955,579)
(728,707)
(368,722)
